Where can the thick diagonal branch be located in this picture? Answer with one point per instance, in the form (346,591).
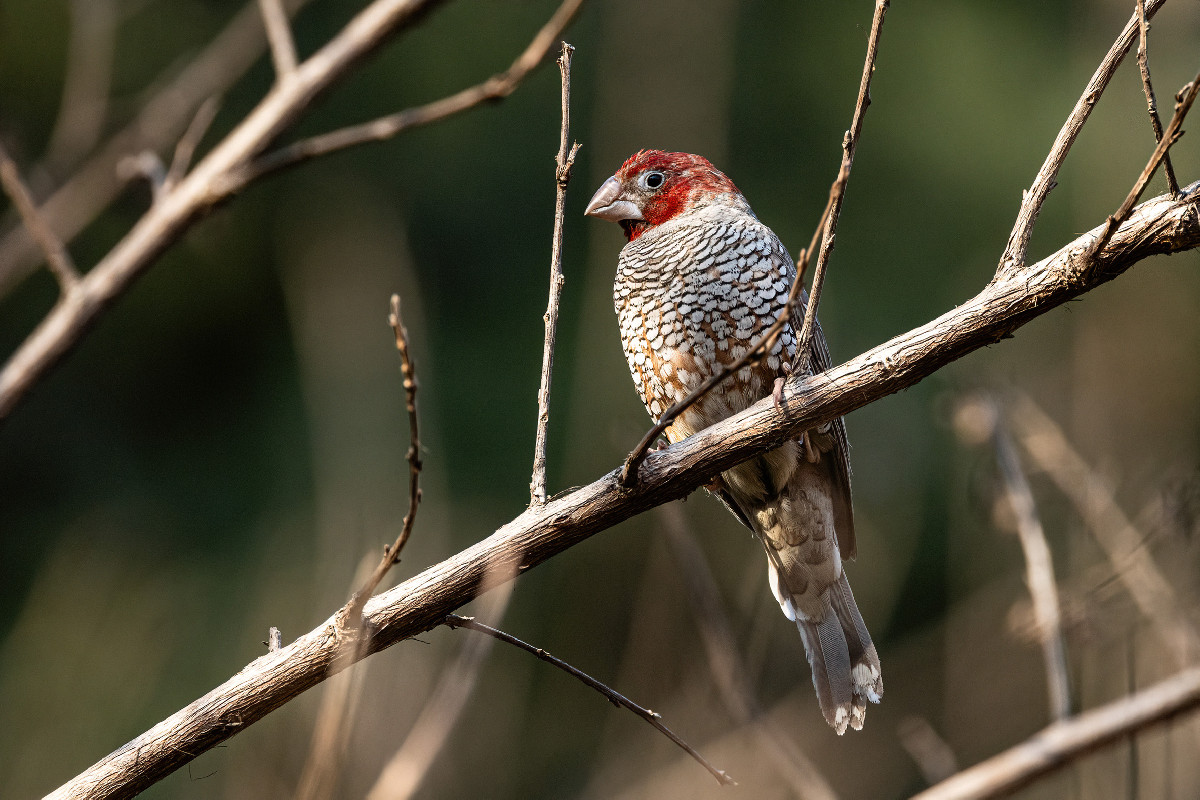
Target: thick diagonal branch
(1161,225)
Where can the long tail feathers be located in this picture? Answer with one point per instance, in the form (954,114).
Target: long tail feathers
(845,665)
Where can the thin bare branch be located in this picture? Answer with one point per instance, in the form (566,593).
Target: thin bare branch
(186,147)
(1132,563)
(279,36)
(562,176)
(1161,225)
(496,87)
(221,173)
(84,105)
(803,355)
(57,258)
(1148,88)
(1064,742)
(801,773)
(341,698)
(977,419)
(155,128)
(1187,96)
(1034,198)
(404,773)
(766,342)
(932,755)
(612,695)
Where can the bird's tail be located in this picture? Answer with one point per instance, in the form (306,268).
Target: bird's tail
(845,665)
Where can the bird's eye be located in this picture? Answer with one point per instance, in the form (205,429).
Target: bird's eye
(653,180)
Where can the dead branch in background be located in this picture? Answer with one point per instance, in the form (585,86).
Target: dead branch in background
(1032,200)
(405,771)
(1160,225)
(161,120)
(83,107)
(1064,742)
(1148,88)
(803,356)
(329,731)
(57,258)
(494,88)
(729,673)
(562,176)
(978,420)
(762,347)
(613,696)
(225,171)
(1121,542)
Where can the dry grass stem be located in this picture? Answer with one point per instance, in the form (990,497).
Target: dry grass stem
(404,773)
(562,176)
(800,772)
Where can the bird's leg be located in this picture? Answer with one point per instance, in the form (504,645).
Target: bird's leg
(777,392)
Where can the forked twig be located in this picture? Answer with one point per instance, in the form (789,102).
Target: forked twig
(766,342)
(185,148)
(1148,88)
(378,130)
(803,355)
(562,176)
(613,696)
(1186,97)
(58,260)
(1034,197)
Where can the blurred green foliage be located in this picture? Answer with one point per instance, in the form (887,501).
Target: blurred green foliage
(226,447)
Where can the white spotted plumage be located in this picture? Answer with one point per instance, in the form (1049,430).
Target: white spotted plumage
(699,281)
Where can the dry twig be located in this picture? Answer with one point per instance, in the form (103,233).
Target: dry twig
(1161,225)
(496,87)
(1148,88)
(156,127)
(562,176)
(279,36)
(185,148)
(612,695)
(977,419)
(729,673)
(1063,742)
(766,342)
(1132,564)
(405,771)
(1187,96)
(225,170)
(1034,198)
(803,355)
(329,732)
(57,257)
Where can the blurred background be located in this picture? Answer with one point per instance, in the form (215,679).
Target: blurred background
(226,447)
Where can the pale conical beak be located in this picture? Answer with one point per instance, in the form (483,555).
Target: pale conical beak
(607,203)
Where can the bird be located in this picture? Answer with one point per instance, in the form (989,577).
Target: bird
(699,279)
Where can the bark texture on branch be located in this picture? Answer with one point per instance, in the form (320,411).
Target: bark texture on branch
(1161,225)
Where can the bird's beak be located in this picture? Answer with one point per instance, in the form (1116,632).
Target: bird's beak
(607,203)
